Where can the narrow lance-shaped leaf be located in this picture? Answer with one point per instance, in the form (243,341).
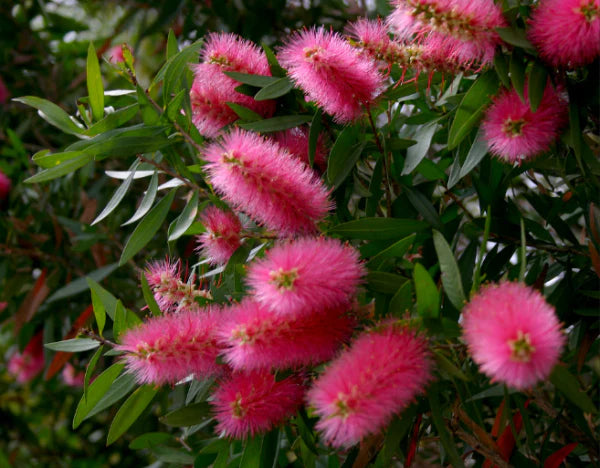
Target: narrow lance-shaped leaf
(428,298)
(94,84)
(148,296)
(90,370)
(118,195)
(99,311)
(53,114)
(313,136)
(416,153)
(146,202)
(74,345)
(71,165)
(451,278)
(186,218)
(130,411)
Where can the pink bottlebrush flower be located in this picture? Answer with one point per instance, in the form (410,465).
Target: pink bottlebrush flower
(295,141)
(566,32)
(254,402)
(468,25)
(72,377)
(25,366)
(4,94)
(170,292)
(372,36)
(332,73)
(5,185)
(513,334)
(258,177)
(306,275)
(222,236)
(378,376)
(212,89)
(255,337)
(514,132)
(168,348)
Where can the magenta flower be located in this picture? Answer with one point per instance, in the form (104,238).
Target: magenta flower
(25,366)
(167,349)
(255,337)
(332,73)
(259,178)
(72,377)
(566,32)
(170,292)
(4,93)
(5,185)
(233,53)
(253,403)
(378,376)
(295,142)
(222,236)
(305,275)
(372,37)
(514,132)
(513,334)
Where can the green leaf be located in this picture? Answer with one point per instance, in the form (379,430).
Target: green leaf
(274,90)
(428,297)
(522,253)
(90,370)
(397,430)
(99,311)
(120,322)
(402,300)
(173,72)
(276,124)
(147,228)
(516,37)
(74,345)
(94,84)
(446,365)
(243,112)
(471,107)
(175,105)
(252,451)
(81,284)
(258,81)
(568,385)
(501,67)
(339,164)
(186,218)
(313,136)
(416,153)
(387,283)
(536,84)
(451,279)
(438,421)
(113,120)
(478,150)
(150,440)
(147,201)
(190,415)
(121,386)
(148,296)
(172,47)
(172,455)
(48,160)
(378,228)
(517,73)
(95,392)
(130,411)
(423,207)
(108,300)
(53,114)
(118,195)
(397,249)
(70,165)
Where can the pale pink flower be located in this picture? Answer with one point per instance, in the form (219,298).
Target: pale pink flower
(514,132)
(233,53)
(255,337)
(305,275)
(115,54)
(378,376)
(566,32)
(222,236)
(332,73)
(258,177)
(253,403)
(170,292)
(168,348)
(25,366)
(513,334)
(72,377)
(5,185)
(295,141)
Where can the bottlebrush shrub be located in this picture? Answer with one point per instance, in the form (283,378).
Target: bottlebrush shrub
(384,273)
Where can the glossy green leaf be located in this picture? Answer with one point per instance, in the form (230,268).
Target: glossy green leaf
(75,345)
(415,153)
(149,440)
(276,124)
(172,47)
(446,365)
(471,107)
(252,451)
(313,136)
(148,227)
(517,73)
(191,415)
(402,300)
(70,165)
(274,90)
(387,283)
(89,370)
(99,311)
(94,84)
(109,301)
(438,421)
(516,37)
(175,105)
(339,167)
(378,228)
(149,296)
(186,218)
(174,71)
(48,160)
(80,285)
(397,249)
(118,195)
(339,153)
(243,112)
(121,386)
(536,84)
(130,411)
(568,385)
(53,114)
(258,81)
(428,297)
(95,392)
(120,322)
(113,120)
(451,279)
(146,202)
(501,67)
(476,153)
(424,207)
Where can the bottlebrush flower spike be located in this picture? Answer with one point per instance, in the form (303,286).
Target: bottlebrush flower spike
(255,337)
(566,32)
(372,37)
(168,348)
(332,73)
(512,333)
(25,366)
(305,275)
(379,375)
(222,236)
(259,178)
(295,141)
(513,132)
(170,292)
(253,403)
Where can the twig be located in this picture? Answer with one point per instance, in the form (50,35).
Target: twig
(168,171)
(94,336)
(480,448)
